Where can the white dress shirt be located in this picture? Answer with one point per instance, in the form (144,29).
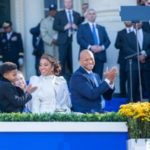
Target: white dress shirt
(9,35)
(67,13)
(140,38)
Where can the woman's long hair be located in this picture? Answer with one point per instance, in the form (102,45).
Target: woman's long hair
(54,62)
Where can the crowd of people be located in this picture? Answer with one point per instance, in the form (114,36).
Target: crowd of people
(55,88)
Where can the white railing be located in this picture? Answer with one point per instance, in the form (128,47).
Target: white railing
(63,127)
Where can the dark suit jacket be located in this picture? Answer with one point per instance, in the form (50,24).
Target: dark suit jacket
(85,38)
(59,23)
(12,49)
(12,99)
(146,26)
(85,96)
(37,41)
(130,47)
(119,45)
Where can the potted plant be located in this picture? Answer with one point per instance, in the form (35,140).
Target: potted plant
(138,122)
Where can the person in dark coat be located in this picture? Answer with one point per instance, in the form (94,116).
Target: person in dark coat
(94,37)
(11,47)
(12,98)
(86,87)
(121,57)
(66,23)
(130,48)
(38,46)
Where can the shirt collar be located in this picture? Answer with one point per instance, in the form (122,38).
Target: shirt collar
(71,11)
(92,23)
(129,29)
(9,33)
(87,70)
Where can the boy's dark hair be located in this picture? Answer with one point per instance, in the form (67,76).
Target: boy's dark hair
(7,67)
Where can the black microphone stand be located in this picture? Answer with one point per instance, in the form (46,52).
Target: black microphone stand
(138,61)
(129,58)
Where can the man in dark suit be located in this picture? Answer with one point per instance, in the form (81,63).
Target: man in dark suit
(130,47)
(66,22)
(11,47)
(94,37)
(121,57)
(86,87)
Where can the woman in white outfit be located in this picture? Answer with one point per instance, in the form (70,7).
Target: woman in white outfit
(52,94)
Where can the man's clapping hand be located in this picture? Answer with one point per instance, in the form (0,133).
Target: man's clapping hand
(111,74)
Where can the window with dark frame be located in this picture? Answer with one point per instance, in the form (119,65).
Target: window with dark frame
(4,11)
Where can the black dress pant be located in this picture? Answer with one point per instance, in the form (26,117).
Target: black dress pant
(146,78)
(65,58)
(123,79)
(134,81)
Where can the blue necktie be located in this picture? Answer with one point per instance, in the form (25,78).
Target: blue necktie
(70,17)
(94,35)
(70,21)
(93,78)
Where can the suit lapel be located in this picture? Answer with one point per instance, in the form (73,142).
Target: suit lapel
(74,17)
(90,32)
(65,17)
(86,75)
(144,40)
(100,34)
(132,39)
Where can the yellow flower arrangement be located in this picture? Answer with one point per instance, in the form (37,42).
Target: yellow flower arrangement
(136,110)
(138,119)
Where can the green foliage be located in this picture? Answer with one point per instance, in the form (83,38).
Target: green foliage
(105,117)
(138,128)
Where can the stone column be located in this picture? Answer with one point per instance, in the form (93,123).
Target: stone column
(33,13)
(17,15)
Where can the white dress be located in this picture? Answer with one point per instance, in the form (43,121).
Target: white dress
(52,94)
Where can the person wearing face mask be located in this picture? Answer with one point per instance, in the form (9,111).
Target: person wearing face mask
(52,94)
(86,87)
(12,98)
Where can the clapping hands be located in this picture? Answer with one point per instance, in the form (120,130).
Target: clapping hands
(111,74)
